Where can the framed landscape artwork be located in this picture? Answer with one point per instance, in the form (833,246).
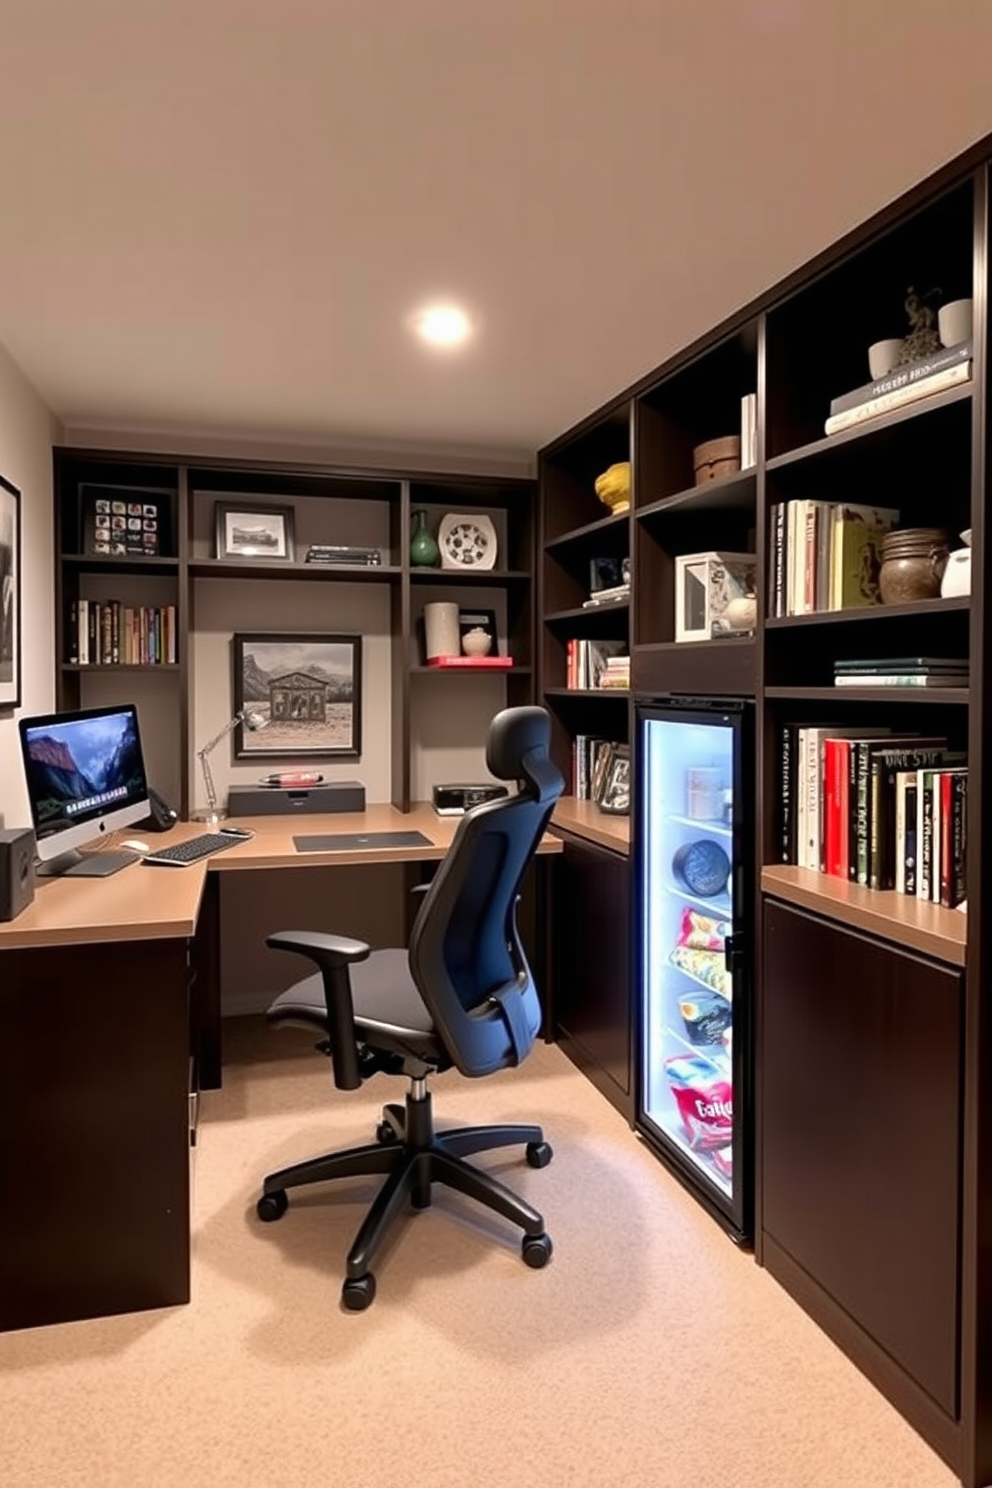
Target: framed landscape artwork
(257,532)
(307,690)
(10,595)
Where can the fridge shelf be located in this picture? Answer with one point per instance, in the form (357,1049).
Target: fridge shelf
(713,1053)
(703,824)
(721,908)
(699,981)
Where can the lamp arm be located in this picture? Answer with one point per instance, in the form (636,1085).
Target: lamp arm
(208,778)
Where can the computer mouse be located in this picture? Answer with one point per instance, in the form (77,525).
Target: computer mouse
(133,844)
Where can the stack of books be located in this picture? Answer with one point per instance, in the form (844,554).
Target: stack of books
(341,553)
(607,596)
(933,374)
(590,663)
(903,671)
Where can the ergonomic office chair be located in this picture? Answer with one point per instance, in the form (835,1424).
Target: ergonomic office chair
(462,995)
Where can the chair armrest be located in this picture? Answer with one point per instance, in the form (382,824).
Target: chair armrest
(333,954)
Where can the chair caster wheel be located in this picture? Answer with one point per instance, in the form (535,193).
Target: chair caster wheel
(384,1134)
(358,1292)
(539,1154)
(536,1250)
(272,1206)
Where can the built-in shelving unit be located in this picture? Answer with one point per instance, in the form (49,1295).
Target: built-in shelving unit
(799,346)
(213,597)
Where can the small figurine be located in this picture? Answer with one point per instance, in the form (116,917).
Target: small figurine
(924,338)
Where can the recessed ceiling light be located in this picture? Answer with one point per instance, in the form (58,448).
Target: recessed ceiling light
(442,325)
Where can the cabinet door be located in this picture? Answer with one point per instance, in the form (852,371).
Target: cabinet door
(861,1112)
(592,985)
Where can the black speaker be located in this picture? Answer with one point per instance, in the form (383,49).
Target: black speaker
(16,871)
(163,816)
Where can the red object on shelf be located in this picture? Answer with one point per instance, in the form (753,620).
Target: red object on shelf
(471,663)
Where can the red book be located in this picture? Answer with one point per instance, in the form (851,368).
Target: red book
(835,806)
(471,663)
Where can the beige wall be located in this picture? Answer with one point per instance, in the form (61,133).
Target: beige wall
(27,432)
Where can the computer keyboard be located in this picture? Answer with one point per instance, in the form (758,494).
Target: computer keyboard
(181,853)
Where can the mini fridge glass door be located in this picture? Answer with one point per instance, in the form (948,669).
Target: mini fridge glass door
(688,830)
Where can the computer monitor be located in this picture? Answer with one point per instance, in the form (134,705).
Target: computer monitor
(85,775)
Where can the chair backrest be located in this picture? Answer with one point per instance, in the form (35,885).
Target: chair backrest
(465,953)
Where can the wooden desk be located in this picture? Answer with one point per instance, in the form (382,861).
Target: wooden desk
(109,1027)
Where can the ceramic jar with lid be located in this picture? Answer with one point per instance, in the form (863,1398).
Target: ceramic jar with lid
(913,563)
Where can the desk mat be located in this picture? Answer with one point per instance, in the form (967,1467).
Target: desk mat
(356,841)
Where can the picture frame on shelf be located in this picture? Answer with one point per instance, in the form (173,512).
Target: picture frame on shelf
(123,521)
(615,796)
(10,595)
(307,689)
(262,533)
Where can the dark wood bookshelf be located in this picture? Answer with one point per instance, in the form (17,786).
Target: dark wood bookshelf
(799,345)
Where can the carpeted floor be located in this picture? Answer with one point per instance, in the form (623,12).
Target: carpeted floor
(649,1353)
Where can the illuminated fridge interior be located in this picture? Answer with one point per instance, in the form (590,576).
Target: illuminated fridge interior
(688,847)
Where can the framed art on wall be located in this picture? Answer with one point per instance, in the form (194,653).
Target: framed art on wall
(262,532)
(307,690)
(10,595)
(122,522)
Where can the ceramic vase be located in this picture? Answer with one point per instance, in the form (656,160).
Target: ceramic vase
(424,552)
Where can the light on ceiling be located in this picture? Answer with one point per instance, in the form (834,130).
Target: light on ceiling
(442,325)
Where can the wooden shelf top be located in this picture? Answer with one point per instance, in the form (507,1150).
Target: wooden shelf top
(237,568)
(728,492)
(915,923)
(584,819)
(872,614)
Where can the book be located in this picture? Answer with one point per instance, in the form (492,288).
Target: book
(899,377)
(937,382)
(856,534)
(470,663)
(885,763)
(901,679)
(901,664)
(607,596)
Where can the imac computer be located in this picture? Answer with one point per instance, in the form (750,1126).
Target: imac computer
(86,777)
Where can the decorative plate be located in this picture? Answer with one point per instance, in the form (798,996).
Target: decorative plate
(467,541)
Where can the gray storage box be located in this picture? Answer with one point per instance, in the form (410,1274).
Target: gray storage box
(278,800)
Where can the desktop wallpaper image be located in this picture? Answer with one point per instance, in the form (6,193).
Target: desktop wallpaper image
(71,762)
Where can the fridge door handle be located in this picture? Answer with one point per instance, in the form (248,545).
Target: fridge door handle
(733,952)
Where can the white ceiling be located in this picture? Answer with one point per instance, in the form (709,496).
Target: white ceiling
(217,213)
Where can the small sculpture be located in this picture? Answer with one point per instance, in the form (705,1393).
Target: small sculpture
(924,338)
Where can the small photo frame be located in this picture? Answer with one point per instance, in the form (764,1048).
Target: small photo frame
(260,534)
(476,617)
(136,519)
(615,797)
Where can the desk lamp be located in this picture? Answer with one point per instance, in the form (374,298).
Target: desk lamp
(251,721)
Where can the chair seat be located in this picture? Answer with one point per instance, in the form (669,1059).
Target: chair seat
(389,1011)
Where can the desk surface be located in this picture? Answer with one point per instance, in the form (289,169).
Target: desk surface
(145,903)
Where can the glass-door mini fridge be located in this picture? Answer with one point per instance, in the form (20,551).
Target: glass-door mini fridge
(693,851)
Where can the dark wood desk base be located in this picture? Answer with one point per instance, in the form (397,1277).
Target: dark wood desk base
(94,1131)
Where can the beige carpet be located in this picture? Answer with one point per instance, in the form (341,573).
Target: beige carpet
(649,1353)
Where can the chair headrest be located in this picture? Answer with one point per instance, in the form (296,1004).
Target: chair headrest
(519,748)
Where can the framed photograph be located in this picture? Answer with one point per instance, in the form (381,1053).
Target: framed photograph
(615,796)
(261,532)
(10,595)
(307,691)
(126,522)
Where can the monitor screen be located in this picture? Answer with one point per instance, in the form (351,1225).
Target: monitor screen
(85,776)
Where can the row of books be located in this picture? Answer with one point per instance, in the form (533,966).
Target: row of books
(881,810)
(592,759)
(943,369)
(825,555)
(109,633)
(596,664)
